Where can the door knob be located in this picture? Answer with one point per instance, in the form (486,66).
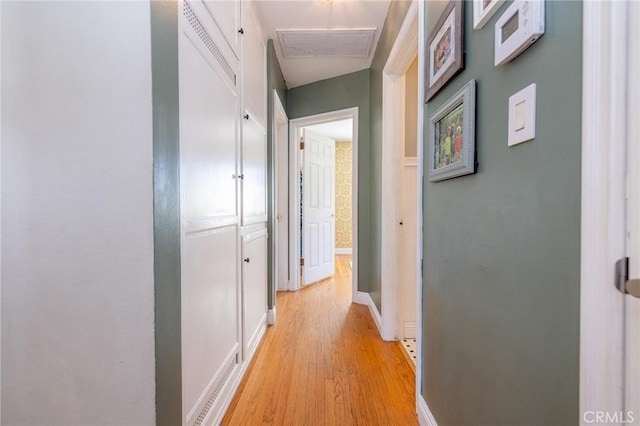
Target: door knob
(247,260)
(278,216)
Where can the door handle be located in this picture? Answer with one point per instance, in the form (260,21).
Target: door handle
(247,260)
(278,216)
(622,281)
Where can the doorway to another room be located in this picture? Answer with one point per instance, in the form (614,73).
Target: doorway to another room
(323,187)
(325,198)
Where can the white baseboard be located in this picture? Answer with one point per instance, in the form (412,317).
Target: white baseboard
(344,250)
(409,330)
(375,314)
(234,383)
(361,298)
(425,418)
(271,316)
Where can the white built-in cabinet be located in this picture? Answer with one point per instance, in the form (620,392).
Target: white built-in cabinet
(223,200)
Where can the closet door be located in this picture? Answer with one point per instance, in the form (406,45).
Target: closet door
(254,289)
(209,136)
(254,172)
(226,15)
(254,66)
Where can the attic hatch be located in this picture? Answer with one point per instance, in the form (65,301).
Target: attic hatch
(352,42)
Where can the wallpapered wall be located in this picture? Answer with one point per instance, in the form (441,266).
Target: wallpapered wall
(343,194)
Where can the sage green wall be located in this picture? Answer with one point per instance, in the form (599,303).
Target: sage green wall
(392,24)
(275,80)
(502,247)
(346,91)
(166,211)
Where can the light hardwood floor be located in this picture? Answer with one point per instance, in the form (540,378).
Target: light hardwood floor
(324,363)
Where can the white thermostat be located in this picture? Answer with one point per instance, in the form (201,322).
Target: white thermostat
(518,28)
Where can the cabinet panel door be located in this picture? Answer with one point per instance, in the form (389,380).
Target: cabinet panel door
(254,171)
(209,125)
(254,66)
(227,16)
(254,288)
(209,144)
(209,310)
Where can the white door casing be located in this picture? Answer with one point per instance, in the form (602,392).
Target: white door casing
(295,133)
(281,207)
(318,207)
(632,308)
(400,59)
(606,126)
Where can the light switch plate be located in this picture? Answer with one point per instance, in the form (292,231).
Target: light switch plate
(522,116)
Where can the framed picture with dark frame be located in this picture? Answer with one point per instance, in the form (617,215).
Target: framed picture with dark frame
(452,130)
(445,57)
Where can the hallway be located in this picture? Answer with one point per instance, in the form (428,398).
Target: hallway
(324,363)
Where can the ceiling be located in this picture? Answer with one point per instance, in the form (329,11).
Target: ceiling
(340,131)
(320,14)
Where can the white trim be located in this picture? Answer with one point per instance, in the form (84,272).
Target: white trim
(377,319)
(234,383)
(279,118)
(295,126)
(271,316)
(410,161)
(425,417)
(361,298)
(421,82)
(409,330)
(602,231)
(400,58)
(344,251)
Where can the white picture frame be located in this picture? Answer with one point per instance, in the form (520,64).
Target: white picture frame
(451,157)
(522,116)
(483,10)
(517,29)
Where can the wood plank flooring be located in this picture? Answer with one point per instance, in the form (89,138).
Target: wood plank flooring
(323,363)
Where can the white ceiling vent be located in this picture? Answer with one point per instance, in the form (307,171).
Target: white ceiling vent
(352,42)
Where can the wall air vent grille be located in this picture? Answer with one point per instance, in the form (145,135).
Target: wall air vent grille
(192,18)
(216,392)
(352,42)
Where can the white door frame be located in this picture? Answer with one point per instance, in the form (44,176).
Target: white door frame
(604,117)
(400,59)
(280,119)
(295,126)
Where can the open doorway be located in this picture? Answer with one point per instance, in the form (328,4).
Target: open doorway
(323,190)
(325,198)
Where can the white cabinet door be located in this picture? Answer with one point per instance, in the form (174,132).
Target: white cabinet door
(209,132)
(254,288)
(226,14)
(319,231)
(254,66)
(254,172)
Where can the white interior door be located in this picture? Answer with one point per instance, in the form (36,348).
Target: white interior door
(632,308)
(408,240)
(318,237)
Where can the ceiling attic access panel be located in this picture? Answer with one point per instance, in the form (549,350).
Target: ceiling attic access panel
(313,43)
